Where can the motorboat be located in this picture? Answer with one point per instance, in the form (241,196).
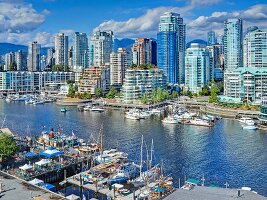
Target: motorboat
(97,109)
(200,122)
(156,111)
(249,127)
(38,102)
(132,116)
(29,101)
(63,110)
(87,108)
(144,114)
(170,120)
(8,99)
(246,120)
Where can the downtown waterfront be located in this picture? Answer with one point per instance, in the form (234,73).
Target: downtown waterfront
(223,153)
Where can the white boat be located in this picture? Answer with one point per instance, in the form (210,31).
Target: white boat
(246,120)
(87,108)
(156,111)
(30,101)
(38,102)
(132,116)
(97,109)
(144,114)
(8,99)
(249,127)
(170,120)
(200,122)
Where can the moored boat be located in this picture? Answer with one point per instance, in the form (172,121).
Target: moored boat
(97,109)
(170,120)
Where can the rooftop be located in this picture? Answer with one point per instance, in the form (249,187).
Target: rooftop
(13,187)
(211,193)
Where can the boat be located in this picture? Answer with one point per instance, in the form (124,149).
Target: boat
(170,120)
(63,110)
(97,109)
(87,108)
(38,103)
(200,122)
(132,116)
(119,177)
(144,114)
(249,127)
(156,111)
(29,101)
(246,120)
(124,191)
(8,99)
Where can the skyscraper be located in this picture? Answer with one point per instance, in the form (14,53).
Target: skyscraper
(214,56)
(255,48)
(119,62)
(21,60)
(171,47)
(61,49)
(34,57)
(101,46)
(211,38)
(9,61)
(233,30)
(80,51)
(142,51)
(197,67)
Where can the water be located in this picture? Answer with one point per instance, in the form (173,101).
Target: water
(222,153)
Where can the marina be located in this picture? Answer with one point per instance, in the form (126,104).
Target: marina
(152,128)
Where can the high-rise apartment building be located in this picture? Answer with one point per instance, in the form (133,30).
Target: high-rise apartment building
(233,30)
(255,48)
(119,62)
(34,57)
(171,47)
(197,67)
(21,60)
(50,58)
(100,48)
(211,38)
(214,55)
(61,49)
(9,60)
(142,51)
(80,51)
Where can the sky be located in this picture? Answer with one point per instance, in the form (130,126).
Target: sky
(23,21)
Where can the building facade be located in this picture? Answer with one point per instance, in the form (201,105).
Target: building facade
(21,60)
(80,52)
(255,48)
(93,78)
(171,47)
(214,53)
(211,38)
(138,82)
(61,49)
(246,84)
(9,60)
(101,46)
(142,51)
(233,36)
(197,68)
(34,57)
(119,62)
(28,82)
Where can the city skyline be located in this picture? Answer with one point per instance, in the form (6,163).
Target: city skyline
(30,20)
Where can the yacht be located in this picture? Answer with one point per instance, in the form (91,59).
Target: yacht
(87,108)
(249,127)
(200,122)
(38,102)
(156,111)
(170,120)
(8,99)
(246,120)
(144,114)
(97,109)
(132,116)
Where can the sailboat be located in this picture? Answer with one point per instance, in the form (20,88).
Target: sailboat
(150,173)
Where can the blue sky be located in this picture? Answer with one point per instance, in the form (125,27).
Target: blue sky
(22,21)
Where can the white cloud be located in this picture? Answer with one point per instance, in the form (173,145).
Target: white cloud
(19,17)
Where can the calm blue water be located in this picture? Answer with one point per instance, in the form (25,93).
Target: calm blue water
(222,153)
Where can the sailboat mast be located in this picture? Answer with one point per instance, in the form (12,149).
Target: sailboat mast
(101,139)
(141,156)
(151,153)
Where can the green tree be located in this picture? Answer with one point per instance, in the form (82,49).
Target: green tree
(174,94)
(70,82)
(154,96)
(144,99)
(213,95)
(205,91)
(112,93)
(72,90)
(189,94)
(8,146)
(160,95)
(98,92)
(86,95)
(166,94)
